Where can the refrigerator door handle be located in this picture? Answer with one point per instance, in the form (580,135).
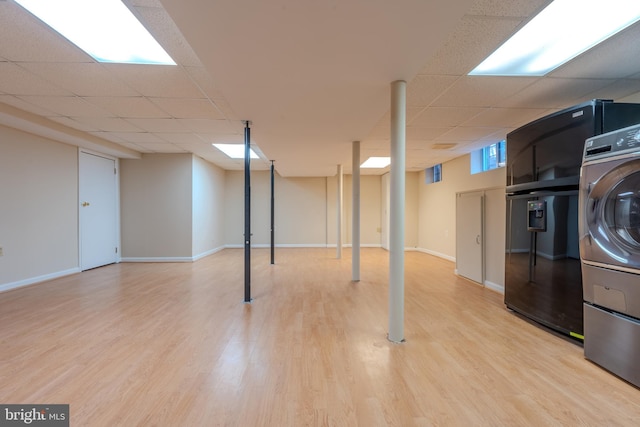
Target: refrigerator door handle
(542,193)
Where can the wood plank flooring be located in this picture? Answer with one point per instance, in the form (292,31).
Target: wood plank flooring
(174,345)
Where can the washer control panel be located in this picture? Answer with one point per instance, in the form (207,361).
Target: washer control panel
(621,140)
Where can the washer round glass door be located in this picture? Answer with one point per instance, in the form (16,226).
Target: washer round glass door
(613,214)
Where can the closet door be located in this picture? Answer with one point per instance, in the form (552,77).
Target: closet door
(98,210)
(470,236)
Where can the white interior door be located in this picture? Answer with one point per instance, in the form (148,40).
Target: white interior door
(470,236)
(98,211)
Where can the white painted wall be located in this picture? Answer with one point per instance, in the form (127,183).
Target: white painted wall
(305,210)
(437,207)
(177,206)
(208,205)
(300,210)
(38,208)
(156,208)
(370,200)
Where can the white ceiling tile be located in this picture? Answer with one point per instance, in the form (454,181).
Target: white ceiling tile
(226,109)
(553,93)
(71,106)
(615,58)
(380,132)
(444,116)
(474,39)
(418,146)
(419,133)
(161,147)
(410,114)
(159,125)
(143,3)
(505,117)
(514,8)
(481,91)
(375,144)
(207,126)
(194,146)
(633,98)
(204,81)
(461,134)
(27,39)
(16,80)
(210,151)
(617,90)
(188,108)
(181,138)
(129,107)
(424,89)
(162,81)
(222,138)
(477,145)
(164,30)
(494,137)
(108,124)
(82,79)
(140,137)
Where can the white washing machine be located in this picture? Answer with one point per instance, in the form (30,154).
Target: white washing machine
(609,231)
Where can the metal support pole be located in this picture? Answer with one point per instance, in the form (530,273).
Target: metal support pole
(355,215)
(396,228)
(247,212)
(272,215)
(339,216)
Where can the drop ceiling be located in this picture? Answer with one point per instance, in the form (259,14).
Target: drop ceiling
(312,77)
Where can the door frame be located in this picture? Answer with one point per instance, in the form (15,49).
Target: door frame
(117,204)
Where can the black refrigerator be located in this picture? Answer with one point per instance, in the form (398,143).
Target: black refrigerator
(543,278)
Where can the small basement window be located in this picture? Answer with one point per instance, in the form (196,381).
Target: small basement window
(488,158)
(433,174)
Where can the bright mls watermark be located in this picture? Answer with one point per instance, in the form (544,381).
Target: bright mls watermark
(34,415)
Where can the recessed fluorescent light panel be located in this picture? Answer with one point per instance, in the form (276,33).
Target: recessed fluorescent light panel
(562,31)
(235,151)
(376,163)
(105,29)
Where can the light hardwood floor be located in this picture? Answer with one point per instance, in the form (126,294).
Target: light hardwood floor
(174,345)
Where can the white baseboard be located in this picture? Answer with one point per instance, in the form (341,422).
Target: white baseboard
(173,259)
(157,259)
(494,286)
(207,253)
(300,245)
(266,246)
(438,254)
(38,279)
